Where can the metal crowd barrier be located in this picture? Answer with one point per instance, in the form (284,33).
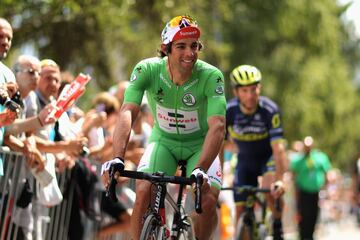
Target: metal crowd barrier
(54,225)
(8,191)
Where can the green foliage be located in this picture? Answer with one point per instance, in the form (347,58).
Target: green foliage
(307,55)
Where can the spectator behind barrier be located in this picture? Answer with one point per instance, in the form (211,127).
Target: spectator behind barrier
(26,70)
(99,125)
(8,85)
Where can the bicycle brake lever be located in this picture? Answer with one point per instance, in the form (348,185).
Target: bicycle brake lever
(111,191)
(198,184)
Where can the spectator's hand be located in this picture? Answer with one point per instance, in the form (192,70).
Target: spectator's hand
(277,189)
(64,162)
(105,177)
(3,93)
(7,117)
(76,113)
(96,119)
(75,147)
(44,115)
(11,88)
(33,155)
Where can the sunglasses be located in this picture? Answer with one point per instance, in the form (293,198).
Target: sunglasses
(176,21)
(30,71)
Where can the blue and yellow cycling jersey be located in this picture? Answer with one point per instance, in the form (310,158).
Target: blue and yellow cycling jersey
(254,133)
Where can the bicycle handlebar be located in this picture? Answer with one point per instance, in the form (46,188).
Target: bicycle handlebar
(198,180)
(111,191)
(198,183)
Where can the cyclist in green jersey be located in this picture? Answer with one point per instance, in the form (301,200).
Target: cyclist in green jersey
(186,97)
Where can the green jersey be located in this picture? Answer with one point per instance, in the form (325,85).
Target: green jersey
(180,112)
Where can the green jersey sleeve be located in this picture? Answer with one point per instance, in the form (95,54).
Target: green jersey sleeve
(214,91)
(139,80)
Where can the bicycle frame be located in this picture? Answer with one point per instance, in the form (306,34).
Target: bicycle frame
(157,203)
(249,218)
(157,207)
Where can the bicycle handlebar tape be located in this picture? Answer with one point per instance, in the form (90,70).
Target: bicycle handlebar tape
(198,184)
(111,193)
(118,166)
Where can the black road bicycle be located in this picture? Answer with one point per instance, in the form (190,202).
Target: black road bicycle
(154,225)
(250,227)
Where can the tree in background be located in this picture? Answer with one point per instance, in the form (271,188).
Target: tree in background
(299,46)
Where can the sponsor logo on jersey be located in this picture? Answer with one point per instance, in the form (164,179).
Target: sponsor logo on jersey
(138,69)
(275,121)
(160,95)
(219,90)
(177,121)
(219,80)
(188,99)
(248,133)
(133,78)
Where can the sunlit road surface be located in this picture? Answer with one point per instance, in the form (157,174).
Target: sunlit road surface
(344,229)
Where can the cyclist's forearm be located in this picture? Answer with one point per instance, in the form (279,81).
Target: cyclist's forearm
(122,132)
(213,141)
(280,159)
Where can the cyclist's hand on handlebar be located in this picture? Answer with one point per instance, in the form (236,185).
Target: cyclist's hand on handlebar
(277,189)
(205,183)
(107,171)
(199,170)
(200,186)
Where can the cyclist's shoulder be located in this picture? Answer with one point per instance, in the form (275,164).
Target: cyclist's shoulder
(145,68)
(151,62)
(204,68)
(268,105)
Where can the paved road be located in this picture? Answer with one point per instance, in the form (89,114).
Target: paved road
(345,229)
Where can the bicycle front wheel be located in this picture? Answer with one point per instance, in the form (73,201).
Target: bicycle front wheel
(243,231)
(152,229)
